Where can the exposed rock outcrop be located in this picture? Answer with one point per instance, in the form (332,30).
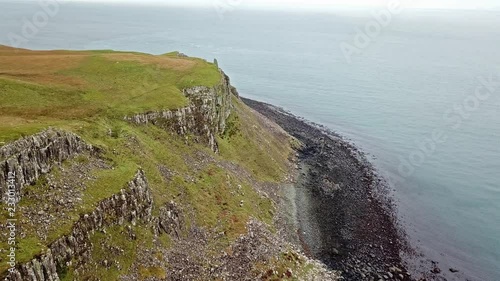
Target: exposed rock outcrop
(35,155)
(203,119)
(130,205)
(170,220)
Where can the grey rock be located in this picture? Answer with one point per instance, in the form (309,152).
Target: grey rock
(204,118)
(34,156)
(135,202)
(170,221)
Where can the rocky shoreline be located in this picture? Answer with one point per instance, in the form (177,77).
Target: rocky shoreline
(343,216)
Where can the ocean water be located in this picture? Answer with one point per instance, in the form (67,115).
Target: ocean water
(416,98)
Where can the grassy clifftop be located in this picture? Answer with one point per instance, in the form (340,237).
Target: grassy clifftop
(41,88)
(89,93)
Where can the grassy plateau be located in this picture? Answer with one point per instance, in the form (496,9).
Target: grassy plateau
(89,93)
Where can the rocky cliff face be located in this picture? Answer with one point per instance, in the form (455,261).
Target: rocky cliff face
(31,157)
(130,205)
(170,221)
(202,120)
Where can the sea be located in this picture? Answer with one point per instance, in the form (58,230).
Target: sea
(417,90)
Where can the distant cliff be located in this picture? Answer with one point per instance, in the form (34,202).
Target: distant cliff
(202,120)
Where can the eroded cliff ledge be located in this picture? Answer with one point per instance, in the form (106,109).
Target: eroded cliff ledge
(33,156)
(132,204)
(202,120)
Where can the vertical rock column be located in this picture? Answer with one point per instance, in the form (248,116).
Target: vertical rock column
(33,156)
(203,119)
(130,205)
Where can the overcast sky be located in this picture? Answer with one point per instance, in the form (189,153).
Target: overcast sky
(321,4)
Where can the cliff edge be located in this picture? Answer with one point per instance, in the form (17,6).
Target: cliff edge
(129,166)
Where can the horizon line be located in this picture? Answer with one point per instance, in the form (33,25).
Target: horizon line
(244,6)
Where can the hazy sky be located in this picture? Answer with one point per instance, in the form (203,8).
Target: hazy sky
(322,4)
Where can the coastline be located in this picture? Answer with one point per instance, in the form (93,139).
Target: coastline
(344,217)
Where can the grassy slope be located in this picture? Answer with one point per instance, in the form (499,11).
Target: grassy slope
(90,92)
(65,88)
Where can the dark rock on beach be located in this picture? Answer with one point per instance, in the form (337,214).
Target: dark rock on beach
(344,216)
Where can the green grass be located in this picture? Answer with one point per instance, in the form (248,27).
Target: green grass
(216,196)
(250,144)
(128,87)
(154,147)
(29,99)
(125,250)
(152,272)
(114,180)
(103,87)
(101,84)
(119,250)
(288,266)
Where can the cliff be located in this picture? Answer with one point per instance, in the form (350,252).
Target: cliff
(33,156)
(202,120)
(114,181)
(132,204)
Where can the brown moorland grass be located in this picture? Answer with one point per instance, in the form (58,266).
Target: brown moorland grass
(40,88)
(177,64)
(40,67)
(89,93)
